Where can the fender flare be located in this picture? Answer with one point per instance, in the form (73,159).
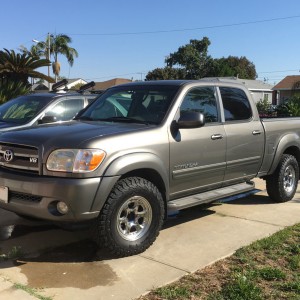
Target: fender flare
(124,164)
(287,141)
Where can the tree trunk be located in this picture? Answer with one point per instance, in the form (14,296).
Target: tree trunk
(56,69)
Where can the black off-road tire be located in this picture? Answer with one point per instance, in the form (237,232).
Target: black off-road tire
(282,185)
(131,218)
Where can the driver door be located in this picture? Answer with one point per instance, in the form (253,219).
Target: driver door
(198,155)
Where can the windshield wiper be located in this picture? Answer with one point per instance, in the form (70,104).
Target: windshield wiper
(124,119)
(84,118)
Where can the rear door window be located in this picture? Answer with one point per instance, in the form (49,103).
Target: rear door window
(236,104)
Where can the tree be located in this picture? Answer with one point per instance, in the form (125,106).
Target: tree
(165,73)
(193,58)
(34,51)
(235,66)
(15,70)
(19,67)
(59,44)
(192,61)
(11,89)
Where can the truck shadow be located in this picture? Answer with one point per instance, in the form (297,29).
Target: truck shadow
(189,214)
(15,231)
(204,210)
(251,200)
(257,200)
(85,250)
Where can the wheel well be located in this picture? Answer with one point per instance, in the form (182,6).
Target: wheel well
(293,151)
(152,176)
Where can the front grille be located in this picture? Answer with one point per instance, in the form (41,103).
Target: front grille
(19,157)
(24,197)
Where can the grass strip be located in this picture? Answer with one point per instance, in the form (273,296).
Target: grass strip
(266,269)
(31,291)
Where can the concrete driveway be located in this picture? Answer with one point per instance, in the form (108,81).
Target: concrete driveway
(66,265)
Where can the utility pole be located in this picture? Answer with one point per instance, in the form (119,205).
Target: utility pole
(48,48)
(141,75)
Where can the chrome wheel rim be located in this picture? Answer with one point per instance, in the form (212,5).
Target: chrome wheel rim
(134,218)
(289,179)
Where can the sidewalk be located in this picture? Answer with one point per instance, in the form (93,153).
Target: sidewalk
(193,240)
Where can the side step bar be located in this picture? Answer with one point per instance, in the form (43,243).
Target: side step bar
(210,196)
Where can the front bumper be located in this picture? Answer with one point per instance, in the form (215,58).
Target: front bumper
(37,196)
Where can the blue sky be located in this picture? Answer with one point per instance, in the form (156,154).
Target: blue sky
(129,38)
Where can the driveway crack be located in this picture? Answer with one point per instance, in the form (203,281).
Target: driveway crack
(246,219)
(166,264)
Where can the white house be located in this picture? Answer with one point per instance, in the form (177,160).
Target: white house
(259,89)
(43,87)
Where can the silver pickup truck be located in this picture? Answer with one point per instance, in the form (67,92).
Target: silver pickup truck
(143,150)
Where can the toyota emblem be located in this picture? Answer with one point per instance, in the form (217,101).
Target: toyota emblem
(8,155)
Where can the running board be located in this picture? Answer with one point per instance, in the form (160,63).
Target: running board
(210,196)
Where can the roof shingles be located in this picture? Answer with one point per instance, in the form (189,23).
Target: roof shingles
(106,84)
(288,83)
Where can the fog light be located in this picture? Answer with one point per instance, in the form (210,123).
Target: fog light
(62,207)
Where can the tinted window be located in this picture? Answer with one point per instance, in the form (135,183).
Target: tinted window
(203,100)
(236,104)
(66,109)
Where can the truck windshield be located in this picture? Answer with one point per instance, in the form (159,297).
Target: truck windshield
(22,109)
(140,104)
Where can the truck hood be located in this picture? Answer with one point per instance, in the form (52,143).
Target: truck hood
(67,135)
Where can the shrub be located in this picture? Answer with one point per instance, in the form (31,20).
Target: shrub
(263,106)
(290,107)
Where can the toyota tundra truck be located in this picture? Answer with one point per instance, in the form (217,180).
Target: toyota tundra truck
(143,150)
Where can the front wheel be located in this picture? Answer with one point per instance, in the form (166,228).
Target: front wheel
(282,185)
(131,217)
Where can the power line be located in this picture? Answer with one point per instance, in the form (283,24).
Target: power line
(187,29)
(280,71)
(145,72)
(115,76)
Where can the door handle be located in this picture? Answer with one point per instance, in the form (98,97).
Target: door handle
(216,136)
(256,132)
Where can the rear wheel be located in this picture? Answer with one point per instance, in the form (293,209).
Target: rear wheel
(282,185)
(131,217)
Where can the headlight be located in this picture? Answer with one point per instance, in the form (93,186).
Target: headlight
(75,160)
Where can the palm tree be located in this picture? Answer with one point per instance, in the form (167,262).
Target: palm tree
(34,50)
(19,67)
(59,44)
(15,69)
(11,89)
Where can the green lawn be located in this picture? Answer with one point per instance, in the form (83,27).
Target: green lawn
(266,269)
